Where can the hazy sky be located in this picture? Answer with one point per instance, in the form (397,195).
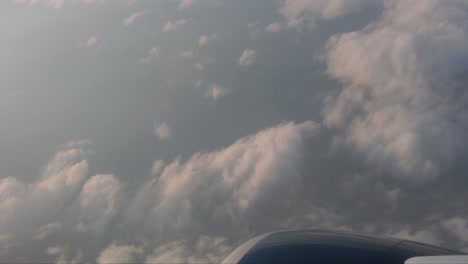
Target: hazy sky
(171,131)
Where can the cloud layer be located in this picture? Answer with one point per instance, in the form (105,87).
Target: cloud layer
(63,198)
(207,194)
(385,155)
(402,106)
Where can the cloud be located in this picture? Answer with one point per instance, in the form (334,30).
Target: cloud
(220,188)
(91,42)
(32,207)
(55,4)
(299,12)
(204,40)
(427,236)
(291,23)
(163,131)
(132,18)
(119,254)
(395,121)
(171,26)
(274,27)
(247,58)
(401,106)
(457,227)
(200,65)
(62,203)
(99,202)
(215,91)
(64,254)
(255,29)
(184,4)
(157,167)
(46,230)
(205,249)
(197,209)
(324,9)
(153,53)
(225,189)
(185,54)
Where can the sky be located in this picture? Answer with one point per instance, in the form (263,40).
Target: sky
(172,131)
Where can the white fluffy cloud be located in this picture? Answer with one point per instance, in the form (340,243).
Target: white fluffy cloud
(184,4)
(215,91)
(217,193)
(62,201)
(26,207)
(191,211)
(153,53)
(257,175)
(99,202)
(173,25)
(132,18)
(274,27)
(91,42)
(163,131)
(247,58)
(204,39)
(401,105)
(119,254)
